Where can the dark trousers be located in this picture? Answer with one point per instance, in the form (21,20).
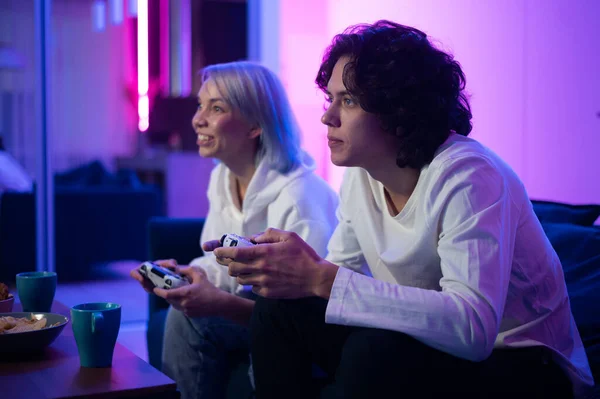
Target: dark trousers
(289,337)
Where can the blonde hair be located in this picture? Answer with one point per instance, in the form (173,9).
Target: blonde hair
(257,93)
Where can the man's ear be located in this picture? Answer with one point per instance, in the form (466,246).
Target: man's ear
(255,132)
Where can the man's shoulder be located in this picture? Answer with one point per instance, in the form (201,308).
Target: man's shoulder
(469,165)
(465,156)
(358,188)
(356,177)
(458,148)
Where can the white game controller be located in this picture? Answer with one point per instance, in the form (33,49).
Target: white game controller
(233,240)
(162,277)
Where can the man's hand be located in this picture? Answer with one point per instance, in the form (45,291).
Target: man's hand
(199,298)
(147,285)
(282,265)
(210,246)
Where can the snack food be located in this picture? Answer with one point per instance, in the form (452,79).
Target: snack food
(4,294)
(12,325)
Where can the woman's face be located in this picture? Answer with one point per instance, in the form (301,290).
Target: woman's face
(222,132)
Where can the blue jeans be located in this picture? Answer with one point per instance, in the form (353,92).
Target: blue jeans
(196,353)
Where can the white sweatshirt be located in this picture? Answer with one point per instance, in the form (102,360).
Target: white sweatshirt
(465,267)
(12,175)
(299,201)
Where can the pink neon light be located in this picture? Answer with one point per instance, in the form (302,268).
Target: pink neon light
(143,113)
(142,54)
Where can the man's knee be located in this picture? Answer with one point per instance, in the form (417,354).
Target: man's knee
(268,311)
(375,360)
(265,306)
(365,343)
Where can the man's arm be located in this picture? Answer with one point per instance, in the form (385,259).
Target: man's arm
(475,247)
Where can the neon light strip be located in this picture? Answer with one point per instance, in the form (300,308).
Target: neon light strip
(165,50)
(142,61)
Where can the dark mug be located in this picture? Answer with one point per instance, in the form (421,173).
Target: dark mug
(36,290)
(96,327)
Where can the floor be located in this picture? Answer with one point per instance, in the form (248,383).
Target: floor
(112,283)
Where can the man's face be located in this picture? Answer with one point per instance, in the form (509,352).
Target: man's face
(354,136)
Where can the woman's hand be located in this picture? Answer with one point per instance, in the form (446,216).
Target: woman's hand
(170,264)
(281,265)
(197,299)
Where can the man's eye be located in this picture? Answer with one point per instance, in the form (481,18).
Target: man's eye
(348,101)
(199,106)
(216,108)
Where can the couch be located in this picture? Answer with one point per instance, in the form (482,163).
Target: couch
(99,217)
(569,228)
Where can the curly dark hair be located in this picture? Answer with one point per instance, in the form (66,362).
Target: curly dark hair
(416,90)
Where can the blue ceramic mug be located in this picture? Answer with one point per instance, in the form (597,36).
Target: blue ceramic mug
(96,327)
(36,290)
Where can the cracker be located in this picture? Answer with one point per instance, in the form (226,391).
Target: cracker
(11,325)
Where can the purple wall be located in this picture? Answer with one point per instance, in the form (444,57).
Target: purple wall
(532,70)
(561,130)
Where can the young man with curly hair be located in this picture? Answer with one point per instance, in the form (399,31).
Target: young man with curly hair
(439,277)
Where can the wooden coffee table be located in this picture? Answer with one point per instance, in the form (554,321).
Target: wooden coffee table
(56,372)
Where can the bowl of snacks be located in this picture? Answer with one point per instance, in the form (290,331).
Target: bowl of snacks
(29,332)
(6,299)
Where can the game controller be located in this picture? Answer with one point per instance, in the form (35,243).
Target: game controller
(161,277)
(233,240)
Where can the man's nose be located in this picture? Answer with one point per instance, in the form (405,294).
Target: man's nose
(330,117)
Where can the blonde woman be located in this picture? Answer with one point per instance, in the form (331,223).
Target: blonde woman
(262,179)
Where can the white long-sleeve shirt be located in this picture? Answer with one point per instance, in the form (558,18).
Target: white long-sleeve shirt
(465,267)
(299,201)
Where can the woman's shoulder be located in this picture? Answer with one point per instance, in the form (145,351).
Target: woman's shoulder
(218,180)
(307,185)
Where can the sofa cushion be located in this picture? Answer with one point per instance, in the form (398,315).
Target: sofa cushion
(94,174)
(557,212)
(155,333)
(92,225)
(578,248)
